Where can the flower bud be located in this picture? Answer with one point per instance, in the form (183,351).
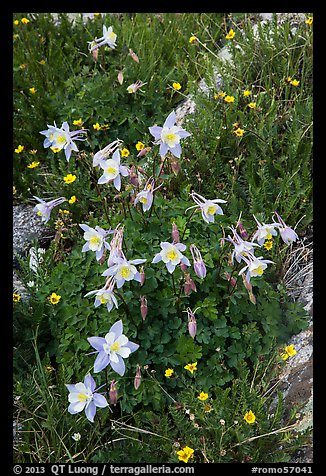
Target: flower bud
(192,324)
(243,232)
(189,285)
(120,77)
(143,307)
(183,267)
(113,393)
(233,281)
(133,177)
(101,261)
(137,380)
(144,151)
(199,265)
(175,233)
(133,55)
(142,275)
(175,166)
(95,54)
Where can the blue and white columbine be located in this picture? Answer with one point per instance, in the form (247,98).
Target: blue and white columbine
(123,270)
(43,209)
(169,136)
(171,255)
(112,170)
(208,208)
(109,38)
(112,349)
(95,240)
(62,138)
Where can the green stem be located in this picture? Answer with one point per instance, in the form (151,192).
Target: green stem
(185,228)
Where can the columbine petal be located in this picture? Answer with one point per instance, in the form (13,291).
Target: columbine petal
(100,400)
(132,346)
(89,382)
(119,366)
(170,120)
(117,328)
(97,342)
(101,361)
(90,411)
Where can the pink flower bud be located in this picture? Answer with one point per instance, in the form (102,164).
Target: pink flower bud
(233,281)
(175,166)
(133,177)
(133,55)
(183,267)
(189,285)
(199,265)
(243,232)
(142,275)
(95,54)
(144,151)
(192,323)
(120,77)
(143,307)
(137,380)
(113,393)
(101,261)
(175,233)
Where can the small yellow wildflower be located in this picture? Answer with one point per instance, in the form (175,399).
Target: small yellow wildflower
(72,199)
(294,82)
(104,127)
(202,396)
(32,90)
(33,151)
(64,212)
(96,126)
(55,149)
(235,125)
(246,93)
(289,352)
(191,367)
(230,35)
(192,39)
(19,149)
(33,165)
(78,122)
(124,152)
(208,408)
(16,22)
(268,245)
(16,297)
(54,298)
(140,145)
(96,14)
(252,105)
(309,21)
(239,132)
(25,21)
(249,417)
(289,79)
(14,190)
(185,454)
(42,61)
(23,66)
(168,372)
(229,99)
(176,86)
(70,178)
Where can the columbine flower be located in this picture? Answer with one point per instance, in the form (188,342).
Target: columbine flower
(103,154)
(132,88)
(169,372)
(176,86)
(19,149)
(289,352)
(185,454)
(83,396)
(191,367)
(241,247)
(33,165)
(124,270)
(95,238)
(287,234)
(208,208)
(112,170)
(145,197)
(230,35)
(43,209)
(192,324)
(169,136)
(105,295)
(112,349)
(249,417)
(202,396)
(265,231)
(16,297)
(109,38)
(255,266)
(171,255)
(199,265)
(62,138)
(70,178)
(54,298)
(229,99)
